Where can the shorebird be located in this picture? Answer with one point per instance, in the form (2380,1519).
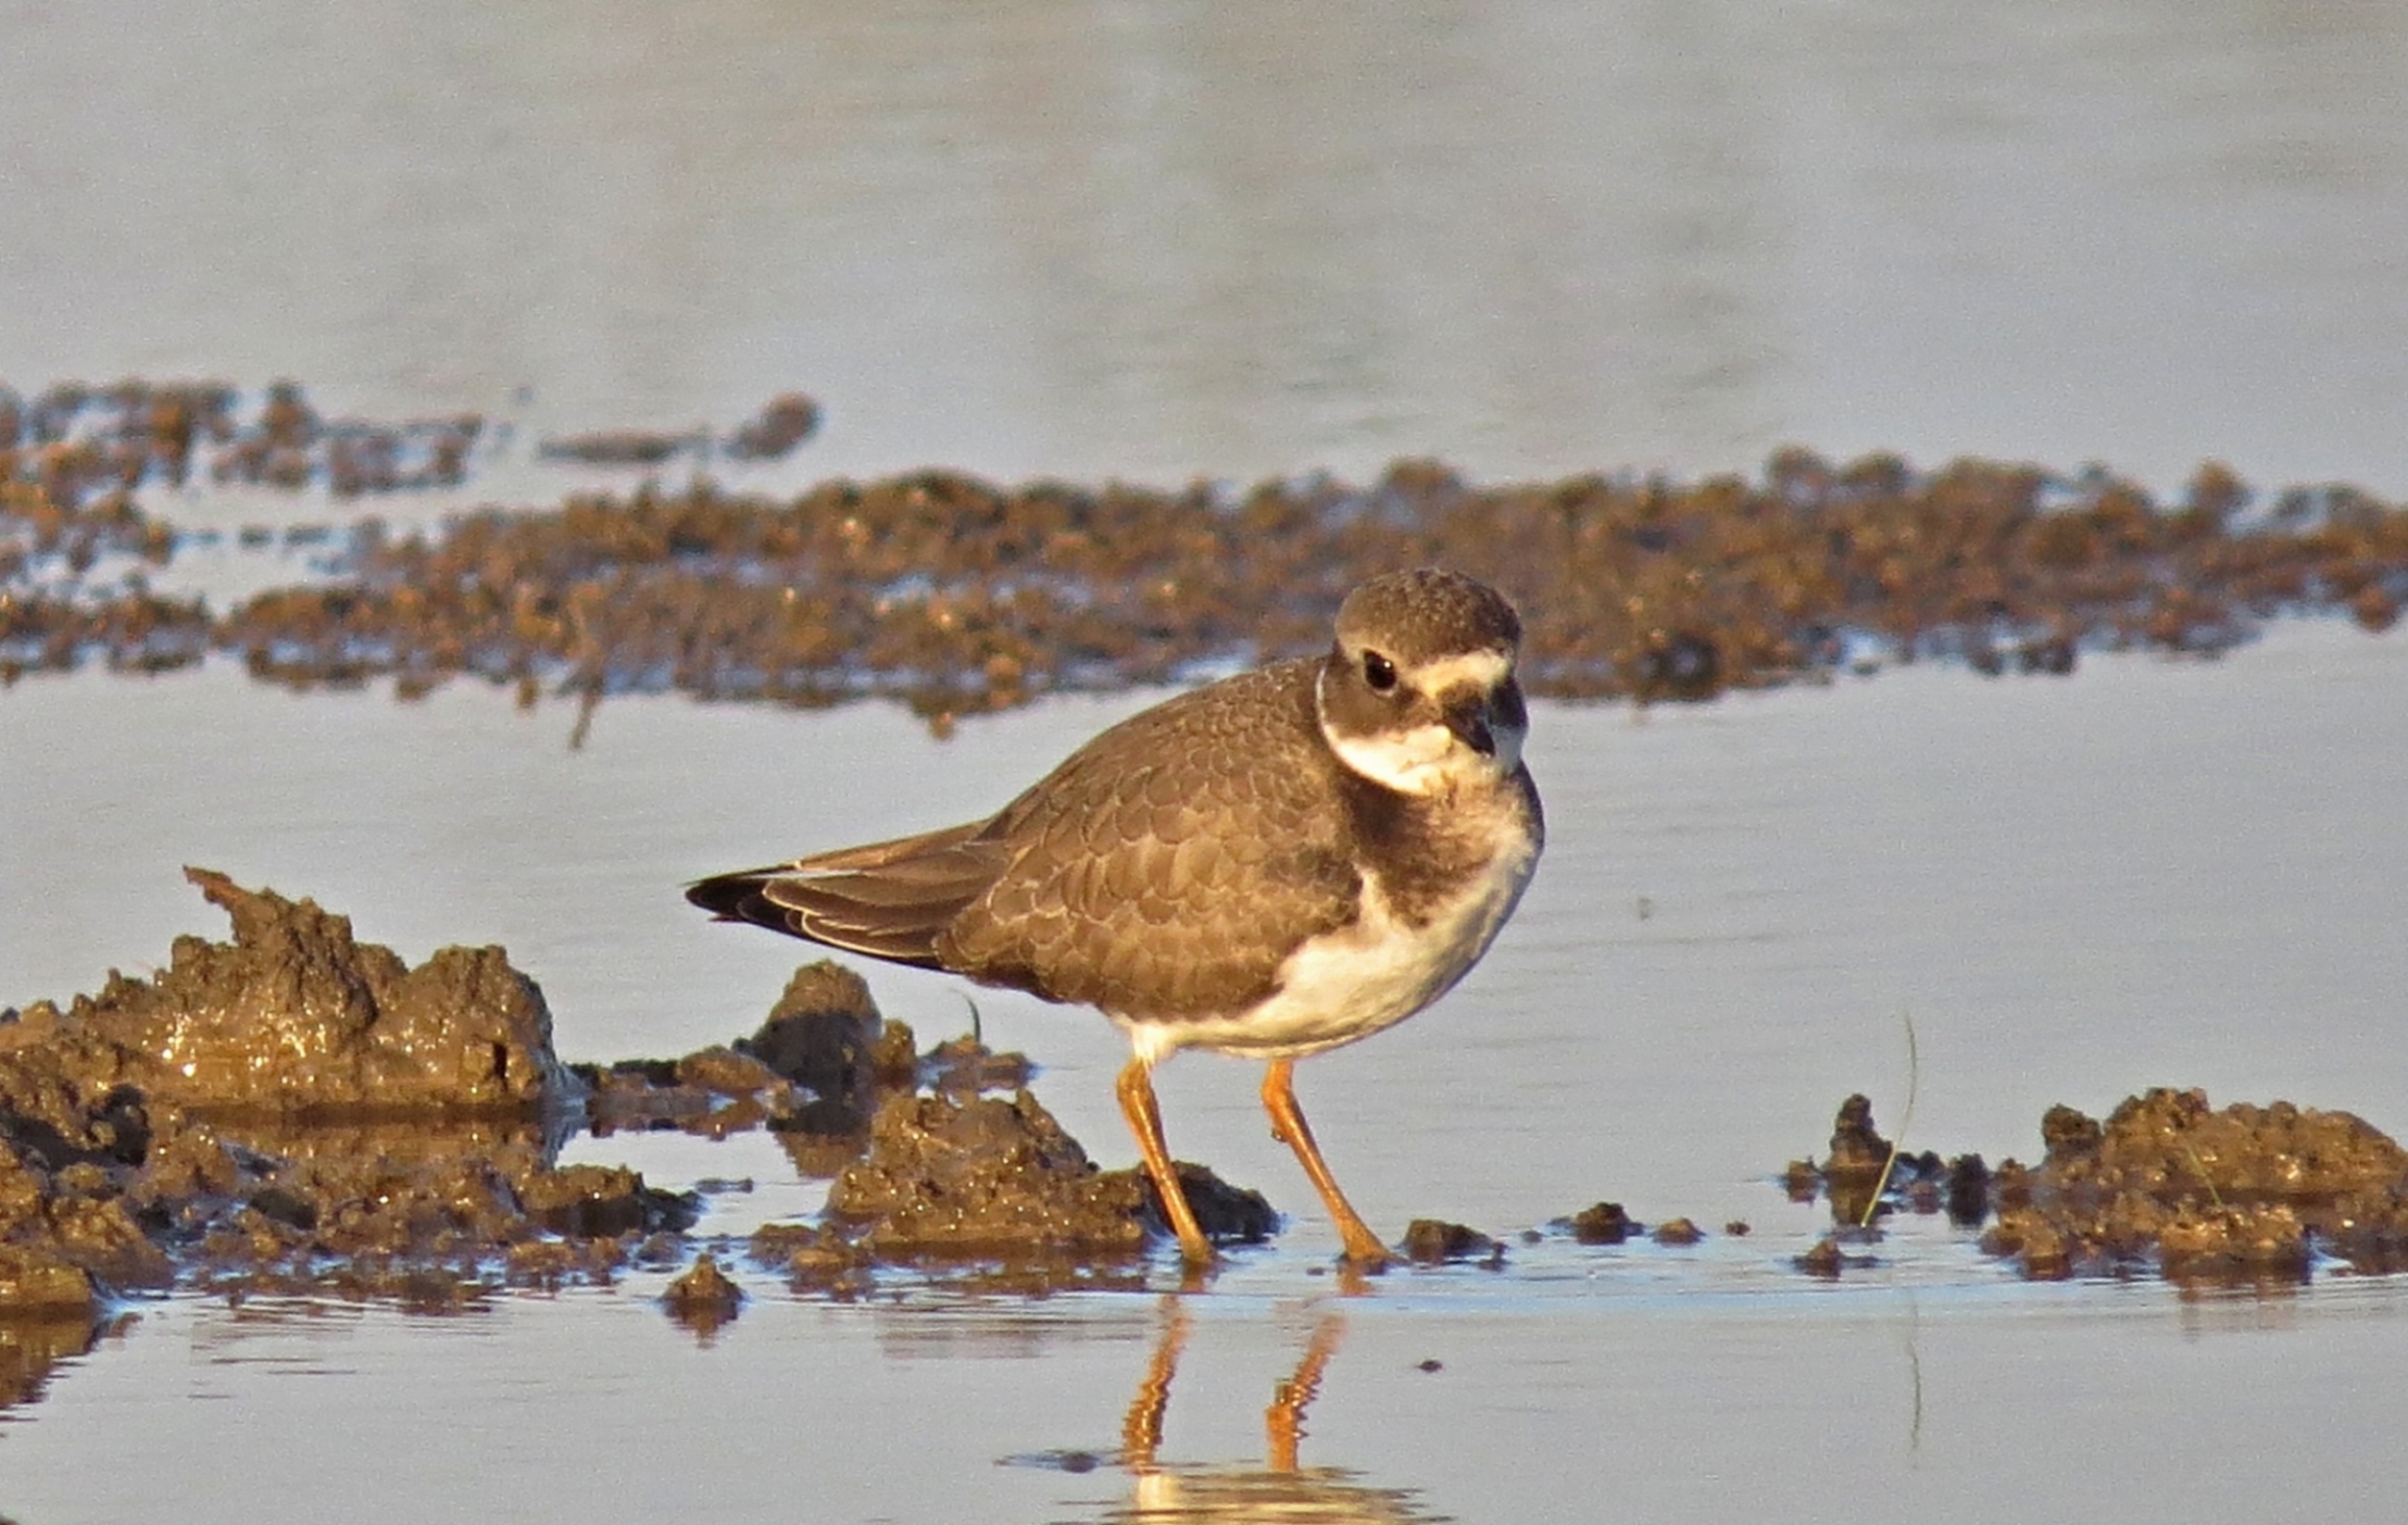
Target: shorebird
(1270,865)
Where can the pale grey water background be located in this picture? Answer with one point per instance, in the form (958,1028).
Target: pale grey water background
(1152,239)
(1157,240)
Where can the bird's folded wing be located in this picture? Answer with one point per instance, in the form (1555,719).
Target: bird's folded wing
(888,900)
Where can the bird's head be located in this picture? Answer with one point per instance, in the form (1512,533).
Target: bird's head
(1418,692)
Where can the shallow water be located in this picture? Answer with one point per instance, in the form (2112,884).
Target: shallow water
(2156,872)
(1156,240)
(1153,240)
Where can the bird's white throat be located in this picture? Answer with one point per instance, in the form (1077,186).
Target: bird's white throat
(1430,758)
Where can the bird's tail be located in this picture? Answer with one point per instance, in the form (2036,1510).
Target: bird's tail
(889,900)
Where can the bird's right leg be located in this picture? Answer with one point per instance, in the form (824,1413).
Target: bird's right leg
(1144,1115)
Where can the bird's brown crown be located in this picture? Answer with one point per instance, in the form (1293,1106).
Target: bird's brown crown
(1428,613)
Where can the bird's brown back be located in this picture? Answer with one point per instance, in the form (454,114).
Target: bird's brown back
(1166,869)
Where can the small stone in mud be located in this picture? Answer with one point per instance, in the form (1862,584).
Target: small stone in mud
(1827,1259)
(1603,1223)
(704,1297)
(1678,1231)
(1738,1228)
(1431,1241)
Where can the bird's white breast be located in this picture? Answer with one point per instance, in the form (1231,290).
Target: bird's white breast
(1368,976)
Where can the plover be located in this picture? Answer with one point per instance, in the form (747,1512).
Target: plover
(1270,865)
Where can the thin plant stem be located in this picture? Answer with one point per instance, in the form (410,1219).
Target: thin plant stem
(1905,1121)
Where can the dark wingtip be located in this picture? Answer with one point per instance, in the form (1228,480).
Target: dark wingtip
(725,895)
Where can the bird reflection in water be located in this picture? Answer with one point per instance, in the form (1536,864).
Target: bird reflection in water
(1280,1489)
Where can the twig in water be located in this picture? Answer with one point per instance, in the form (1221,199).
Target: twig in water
(1905,1121)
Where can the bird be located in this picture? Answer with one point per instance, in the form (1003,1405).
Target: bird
(1271,866)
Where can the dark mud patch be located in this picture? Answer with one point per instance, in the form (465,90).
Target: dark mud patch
(1864,1176)
(960,596)
(89,449)
(784,423)
(704,1297)
(990,1190)
(2166,1185)
(294,1020)
(297,1112)
(1432,1241)
(1602,1223)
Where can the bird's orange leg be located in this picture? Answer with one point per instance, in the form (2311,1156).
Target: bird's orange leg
(1363,1247)
(1283,1421)
(1144,1115)
(1141,1426)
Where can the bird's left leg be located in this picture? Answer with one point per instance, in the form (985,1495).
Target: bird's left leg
(1363,1247)
(1144,1115)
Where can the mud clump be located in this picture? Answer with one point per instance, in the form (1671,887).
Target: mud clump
(1000,1178)
(1602,1223)
(294,1018)
(1431,1241)
(2166,1184)
(2244,1193)
(824,1034)
(1865,1176)
(959,595)
(297,1110)
(704,1298)
(1227,1214)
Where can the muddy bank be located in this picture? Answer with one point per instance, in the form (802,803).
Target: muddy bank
(295,1111)
(2165,1185)
(959,595)
(86,450)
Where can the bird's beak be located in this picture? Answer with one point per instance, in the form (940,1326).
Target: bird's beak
(1469,715)
(1490,721)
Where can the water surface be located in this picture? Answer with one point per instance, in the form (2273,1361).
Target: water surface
(1154,239)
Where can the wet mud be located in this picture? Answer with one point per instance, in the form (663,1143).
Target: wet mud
(89,449)
(1434,1241)
(2166,1185)
(297,1111)
(959,595)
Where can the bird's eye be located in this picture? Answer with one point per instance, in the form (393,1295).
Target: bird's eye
(1378,672)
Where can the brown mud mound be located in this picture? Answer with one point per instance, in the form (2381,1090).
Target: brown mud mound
(298,1110)
(90,447)
(986,1177)
(1433,1241)
(294,1018)
(2166,1184)
(1864,1176)
(2247,1193)
(704,1298)
(961,595)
